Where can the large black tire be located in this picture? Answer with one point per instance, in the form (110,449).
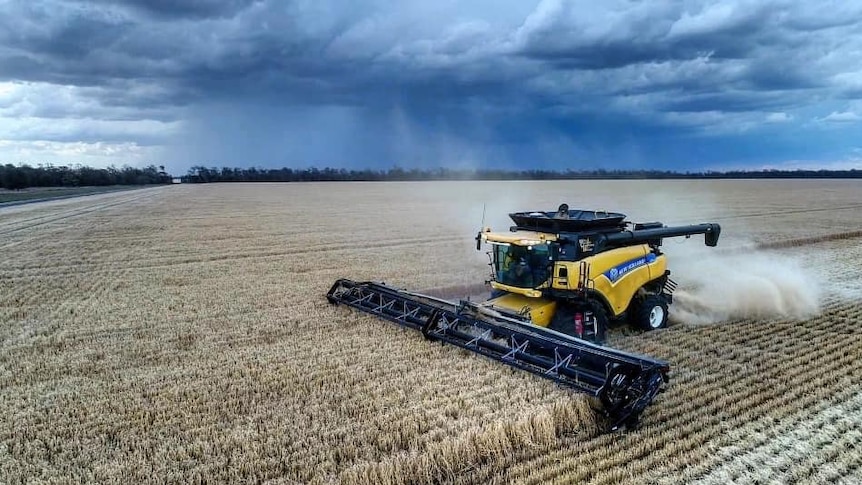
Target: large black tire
(651,313)
(602,321)
(563,320)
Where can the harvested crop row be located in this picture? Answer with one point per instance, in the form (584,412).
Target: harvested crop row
(185,337)
(706,401)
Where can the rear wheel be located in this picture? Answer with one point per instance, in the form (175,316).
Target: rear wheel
(651,313)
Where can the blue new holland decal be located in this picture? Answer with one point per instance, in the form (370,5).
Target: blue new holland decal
(620,270)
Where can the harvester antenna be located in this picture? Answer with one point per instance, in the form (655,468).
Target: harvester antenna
(481,230)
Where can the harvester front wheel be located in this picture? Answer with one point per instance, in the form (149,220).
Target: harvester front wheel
(564,320)
(651,313)
(601,321)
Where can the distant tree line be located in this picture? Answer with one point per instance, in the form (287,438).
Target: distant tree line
(200,174)
(19,177)
(23,176)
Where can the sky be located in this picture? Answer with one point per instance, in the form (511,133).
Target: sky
(511,84)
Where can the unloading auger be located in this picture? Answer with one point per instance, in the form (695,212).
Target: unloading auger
(558,279)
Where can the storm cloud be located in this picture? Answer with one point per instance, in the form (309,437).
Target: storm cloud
(551,84)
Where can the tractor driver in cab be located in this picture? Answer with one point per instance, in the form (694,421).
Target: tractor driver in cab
(520,274)
(513,255)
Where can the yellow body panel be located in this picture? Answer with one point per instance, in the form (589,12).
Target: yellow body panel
(539,310)
(519,238)
(616,274)
(528,292)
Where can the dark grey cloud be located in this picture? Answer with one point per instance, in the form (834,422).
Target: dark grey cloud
(414,82)
(47,30)
(183,9)
(728,101)
(585,35)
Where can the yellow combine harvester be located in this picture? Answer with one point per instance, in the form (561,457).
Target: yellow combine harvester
(574,270)
(558,279)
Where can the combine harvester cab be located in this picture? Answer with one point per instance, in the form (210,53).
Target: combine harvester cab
(558,277)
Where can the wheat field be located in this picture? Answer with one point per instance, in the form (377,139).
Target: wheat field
(181,335)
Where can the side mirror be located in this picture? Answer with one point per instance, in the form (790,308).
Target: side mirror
(479,241)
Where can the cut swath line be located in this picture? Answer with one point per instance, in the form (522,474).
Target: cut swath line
(787,212)
(805,241)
